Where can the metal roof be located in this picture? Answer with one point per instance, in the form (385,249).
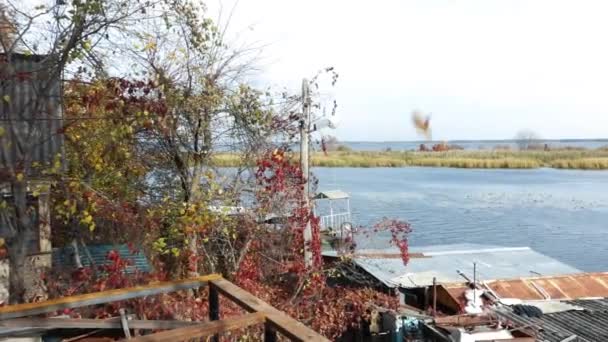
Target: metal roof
(571,286)
(600,304)
(443,262)
(64,257)
(587,325)
(332,195)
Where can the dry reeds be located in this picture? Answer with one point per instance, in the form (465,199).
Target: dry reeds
(596,159)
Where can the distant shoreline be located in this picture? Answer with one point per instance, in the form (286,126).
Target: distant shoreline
(581,159)
(566,140)
(474,145)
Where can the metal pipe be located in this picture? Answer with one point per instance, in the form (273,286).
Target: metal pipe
(474,283)
(434,296)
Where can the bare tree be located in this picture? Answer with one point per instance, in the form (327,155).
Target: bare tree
(526,139)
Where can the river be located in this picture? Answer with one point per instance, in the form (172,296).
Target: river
(561,213)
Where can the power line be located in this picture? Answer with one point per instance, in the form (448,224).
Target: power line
(65,119)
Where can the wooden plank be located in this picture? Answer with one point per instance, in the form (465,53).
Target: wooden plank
(84,323)
(29,309)
(14,328)
(284,324)
(202,330)
(23,332)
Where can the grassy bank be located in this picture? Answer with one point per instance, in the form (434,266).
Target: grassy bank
(561,159)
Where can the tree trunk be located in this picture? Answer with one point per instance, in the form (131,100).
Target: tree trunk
(17,243)
(195,197)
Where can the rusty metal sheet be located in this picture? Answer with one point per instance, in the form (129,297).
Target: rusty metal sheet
(573,286)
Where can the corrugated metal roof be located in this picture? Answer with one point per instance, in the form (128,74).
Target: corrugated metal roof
(443,262)
(30,110)
(332,195)
(588,325)
(600,304)
(64,257)
(570,286)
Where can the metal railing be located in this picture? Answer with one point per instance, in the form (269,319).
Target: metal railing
(334,221)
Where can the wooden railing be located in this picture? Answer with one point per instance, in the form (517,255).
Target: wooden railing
(14,318)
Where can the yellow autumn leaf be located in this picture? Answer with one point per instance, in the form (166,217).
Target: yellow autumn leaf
(87,219)
(2,130)
(150,46)
(1,242)
(6,98)
(19,177)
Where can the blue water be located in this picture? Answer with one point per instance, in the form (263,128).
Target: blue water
(470,144)
(561,213)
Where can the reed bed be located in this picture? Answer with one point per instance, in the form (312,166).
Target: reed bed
(583,164)
(596,159)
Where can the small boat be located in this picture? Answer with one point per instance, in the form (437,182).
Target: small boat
(335,220)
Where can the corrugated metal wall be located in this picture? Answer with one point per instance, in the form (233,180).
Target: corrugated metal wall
(31,112)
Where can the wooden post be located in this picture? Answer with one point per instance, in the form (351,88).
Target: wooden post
(124,323)
(44,219)
(214,308)
(270,334)
(434,296)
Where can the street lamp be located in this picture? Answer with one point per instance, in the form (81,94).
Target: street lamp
(325,123)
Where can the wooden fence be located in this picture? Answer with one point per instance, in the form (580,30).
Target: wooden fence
(15,320)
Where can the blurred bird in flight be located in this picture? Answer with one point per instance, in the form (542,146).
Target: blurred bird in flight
(422,124)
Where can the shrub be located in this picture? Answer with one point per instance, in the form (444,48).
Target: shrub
(343,148)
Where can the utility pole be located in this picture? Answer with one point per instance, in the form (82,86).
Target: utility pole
(475,283)
(304,131)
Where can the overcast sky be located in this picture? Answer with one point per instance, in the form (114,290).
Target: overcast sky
(484,69)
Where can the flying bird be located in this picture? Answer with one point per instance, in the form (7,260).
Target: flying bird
(422,124)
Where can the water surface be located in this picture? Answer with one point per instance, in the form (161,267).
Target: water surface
(561,213)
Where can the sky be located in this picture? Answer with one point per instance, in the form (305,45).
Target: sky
(483,69)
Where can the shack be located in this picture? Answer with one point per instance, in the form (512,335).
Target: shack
(31,122)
